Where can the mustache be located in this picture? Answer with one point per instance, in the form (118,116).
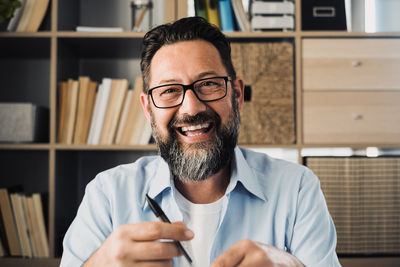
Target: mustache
(196,119)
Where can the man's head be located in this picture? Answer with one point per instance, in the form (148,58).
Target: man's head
(186,29)
(196,137)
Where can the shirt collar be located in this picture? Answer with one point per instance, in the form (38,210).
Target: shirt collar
(161,180)
(241,172)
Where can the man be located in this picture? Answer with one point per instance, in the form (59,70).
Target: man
(230,206)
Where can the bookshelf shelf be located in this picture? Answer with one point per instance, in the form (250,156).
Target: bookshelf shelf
(106,147)
(22,146)
(31,65)
(74,34)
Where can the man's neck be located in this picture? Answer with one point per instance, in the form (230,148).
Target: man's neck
(207,191)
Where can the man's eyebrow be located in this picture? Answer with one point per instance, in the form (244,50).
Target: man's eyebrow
(199,76)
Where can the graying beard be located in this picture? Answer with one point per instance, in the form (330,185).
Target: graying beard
(206,159)
(196,166)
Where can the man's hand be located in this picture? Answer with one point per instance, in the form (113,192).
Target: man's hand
(249,253)
(139,245)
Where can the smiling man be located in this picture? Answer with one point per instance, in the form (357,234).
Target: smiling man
(229,206)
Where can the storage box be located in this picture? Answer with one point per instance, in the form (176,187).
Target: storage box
(23,122)
(323,15)
(268,113)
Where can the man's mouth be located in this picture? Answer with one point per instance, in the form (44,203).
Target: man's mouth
(195,130)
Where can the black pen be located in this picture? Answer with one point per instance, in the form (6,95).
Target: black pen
(160,214)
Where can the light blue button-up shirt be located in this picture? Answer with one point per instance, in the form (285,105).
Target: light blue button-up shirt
(267,200)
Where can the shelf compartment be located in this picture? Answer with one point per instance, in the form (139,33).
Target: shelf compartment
(74,169)
(25,70)
(29,168)
(99,58)
(117,13)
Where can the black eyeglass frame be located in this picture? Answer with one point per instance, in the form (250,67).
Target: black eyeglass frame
(190,87)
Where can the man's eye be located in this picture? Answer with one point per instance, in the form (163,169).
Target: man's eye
(170,90)
(208,83)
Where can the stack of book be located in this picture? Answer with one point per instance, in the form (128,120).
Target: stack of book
(272,15)
(101,115)
(22,227)
(228,15)
(29,16)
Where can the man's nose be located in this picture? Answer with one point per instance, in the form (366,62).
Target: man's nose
(191,105)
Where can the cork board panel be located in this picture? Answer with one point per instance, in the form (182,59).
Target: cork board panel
(268,117)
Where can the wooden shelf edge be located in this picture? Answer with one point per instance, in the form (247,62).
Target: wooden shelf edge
(46,34)
(39,262)
(23,146)
(73,34)
(106,147)
(336,34)
(369,261)
(265,34)
(354,146)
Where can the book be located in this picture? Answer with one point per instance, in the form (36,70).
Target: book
(212,12)
(90,109)
(103,96)
(138,127)
(37,16)
(285,22)
(87,93)
(62,104)
(200,8)
(98,29)
(241,16)
(119,88)
(81,108)
(226,15)
(18,206)
(26,15)
(3,251)
(133,113)
(12,25)
(95,114)
(274,7)
(146,133)
(41,228)
(72,101)
(9,223)
(124,116)
(32,226)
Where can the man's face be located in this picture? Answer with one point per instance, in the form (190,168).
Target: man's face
(195,138)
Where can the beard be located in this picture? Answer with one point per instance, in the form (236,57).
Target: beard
(199,161)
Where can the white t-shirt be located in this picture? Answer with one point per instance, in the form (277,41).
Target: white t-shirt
(203,220)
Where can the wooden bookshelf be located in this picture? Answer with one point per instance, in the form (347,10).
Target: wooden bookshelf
(31,64)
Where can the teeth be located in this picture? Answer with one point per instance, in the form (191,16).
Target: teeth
(195,127)
(193,134)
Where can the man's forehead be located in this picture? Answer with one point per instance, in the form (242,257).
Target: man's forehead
(194,59)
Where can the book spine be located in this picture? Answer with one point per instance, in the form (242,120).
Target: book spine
(226,15)
(200,8)
(212,12)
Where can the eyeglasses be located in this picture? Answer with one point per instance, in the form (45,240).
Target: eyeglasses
(206,90)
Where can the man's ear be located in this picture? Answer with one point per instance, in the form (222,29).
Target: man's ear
(239,88)
(144,100)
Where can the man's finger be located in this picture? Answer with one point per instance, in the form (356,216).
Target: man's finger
(161,263)
(155,250)
(150,231)
(231,257)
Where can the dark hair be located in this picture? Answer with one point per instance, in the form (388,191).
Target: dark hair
(191,28)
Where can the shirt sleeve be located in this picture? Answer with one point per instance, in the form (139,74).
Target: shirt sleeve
(90,227)
(314,235)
